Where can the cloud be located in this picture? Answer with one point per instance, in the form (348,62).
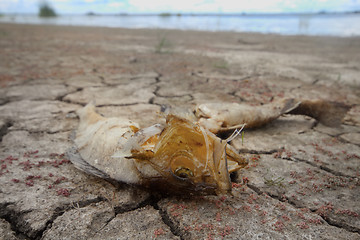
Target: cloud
(175,6)
(172,6)
(216,5)
(116,4)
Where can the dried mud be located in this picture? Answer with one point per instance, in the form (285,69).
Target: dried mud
(302,181)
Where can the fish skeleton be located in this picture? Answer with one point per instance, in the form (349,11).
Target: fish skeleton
(178,157)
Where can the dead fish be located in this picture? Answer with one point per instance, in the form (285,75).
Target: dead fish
(179,157)
(219,117)
(328,113)
(224,116)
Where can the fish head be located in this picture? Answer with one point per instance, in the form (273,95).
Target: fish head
(191,159)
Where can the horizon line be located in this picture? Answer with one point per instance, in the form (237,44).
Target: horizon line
(168,14)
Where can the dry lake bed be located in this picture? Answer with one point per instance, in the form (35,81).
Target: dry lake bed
(303,178)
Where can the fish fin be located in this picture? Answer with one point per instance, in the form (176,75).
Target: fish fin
(233,157)
(231,128)
(148,132)
(73,155)
(222,173)
(326,112)
(236,133)
(137,145)
(137,141)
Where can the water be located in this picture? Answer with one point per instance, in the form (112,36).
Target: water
(306,24)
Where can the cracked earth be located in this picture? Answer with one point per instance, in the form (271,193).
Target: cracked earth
(302,181)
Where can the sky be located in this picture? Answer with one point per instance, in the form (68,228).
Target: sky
(181,6)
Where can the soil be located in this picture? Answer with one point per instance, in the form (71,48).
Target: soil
(302,181)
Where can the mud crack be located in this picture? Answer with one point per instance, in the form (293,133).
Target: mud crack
(20,226)
(60,98)
(9,216)
(4,128)
(340,224)
(155,92)
(326,169)
(59,211)
(251,151)
(173,224)
(130,207)
(330,221)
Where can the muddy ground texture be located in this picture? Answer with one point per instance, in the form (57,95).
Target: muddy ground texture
(302,181)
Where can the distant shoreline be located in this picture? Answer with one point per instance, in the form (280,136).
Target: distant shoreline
(171,14)
(319,24)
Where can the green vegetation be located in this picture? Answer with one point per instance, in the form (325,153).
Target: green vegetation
(165,14)
(46,11)
(163,46)
(3,33)
(222,65)
(338,78)
(90,14)
(275,181)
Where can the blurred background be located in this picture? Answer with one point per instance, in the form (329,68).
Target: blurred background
(287,17)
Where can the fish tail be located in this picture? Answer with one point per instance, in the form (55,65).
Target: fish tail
(85,111)
(289,104)
(88,114)
(326,112)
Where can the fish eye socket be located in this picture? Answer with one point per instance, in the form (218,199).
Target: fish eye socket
(183,172)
